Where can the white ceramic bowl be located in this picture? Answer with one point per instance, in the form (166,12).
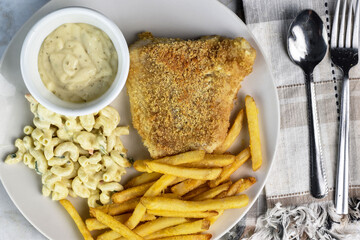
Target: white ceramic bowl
(30,52)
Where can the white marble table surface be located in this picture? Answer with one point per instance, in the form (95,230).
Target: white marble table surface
(13,14)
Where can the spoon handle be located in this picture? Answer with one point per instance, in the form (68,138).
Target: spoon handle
(342,179)
(318,184)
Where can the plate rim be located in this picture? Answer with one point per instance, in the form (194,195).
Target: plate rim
(267,65)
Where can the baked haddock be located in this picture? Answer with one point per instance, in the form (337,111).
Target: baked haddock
(182,91)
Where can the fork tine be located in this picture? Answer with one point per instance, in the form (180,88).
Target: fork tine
(335,26)
(349,26)
(355,40)
(342,27)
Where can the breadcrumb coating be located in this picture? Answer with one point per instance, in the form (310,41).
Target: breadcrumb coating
(182,91)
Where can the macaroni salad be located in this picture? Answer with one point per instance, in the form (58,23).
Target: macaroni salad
(77,156)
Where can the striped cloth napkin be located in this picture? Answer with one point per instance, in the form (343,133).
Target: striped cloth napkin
(292,213)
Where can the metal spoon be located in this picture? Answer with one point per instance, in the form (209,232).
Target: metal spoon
(306,44)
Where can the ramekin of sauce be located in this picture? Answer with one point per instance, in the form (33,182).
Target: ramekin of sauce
(74,61)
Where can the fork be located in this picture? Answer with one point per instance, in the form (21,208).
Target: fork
(344,54)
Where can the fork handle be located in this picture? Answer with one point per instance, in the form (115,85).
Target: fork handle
(342,181)
(318,184)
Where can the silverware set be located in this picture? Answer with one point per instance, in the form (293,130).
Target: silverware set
(305,49)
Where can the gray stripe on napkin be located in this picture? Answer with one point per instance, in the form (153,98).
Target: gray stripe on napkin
(257,11)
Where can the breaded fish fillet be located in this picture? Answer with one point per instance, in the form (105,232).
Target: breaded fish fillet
(181,91)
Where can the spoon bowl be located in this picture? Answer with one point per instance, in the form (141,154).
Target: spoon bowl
(307,40)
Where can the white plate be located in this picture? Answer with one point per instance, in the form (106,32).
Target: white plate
(167,18)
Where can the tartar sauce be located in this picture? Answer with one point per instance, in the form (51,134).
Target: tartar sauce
(77,62)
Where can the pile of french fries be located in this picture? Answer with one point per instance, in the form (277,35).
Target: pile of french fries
(178,197)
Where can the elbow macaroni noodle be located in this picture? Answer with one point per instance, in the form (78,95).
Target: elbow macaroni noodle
(77,156)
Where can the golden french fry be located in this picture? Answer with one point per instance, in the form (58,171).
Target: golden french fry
(142,179)
(94,224)
(228,170)
(141,166)
(177,180)
(254,132)
(109,235)
(212,160)
(194,173)
(77,219)
(134,220)
(185,228)
(232,134)
(158,224)
(147,217)
(222,195)
(131,193)
(213,192)
(179,213)
(189,237)
(113,224)
(170,195)
(167,204)
(214,218)
(186,186)
(248,182)
(186,157)
(159,185)
(182,158)
(119,208)
(221,211)
(154,190)
(196,192)
(240,185)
